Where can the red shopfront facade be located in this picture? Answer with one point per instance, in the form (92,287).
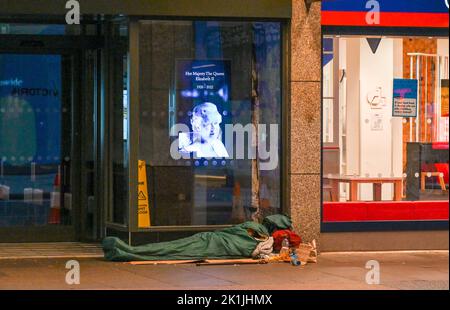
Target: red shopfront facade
(385,118)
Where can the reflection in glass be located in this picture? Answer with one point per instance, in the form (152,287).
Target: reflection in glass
(34,178)
(209,75)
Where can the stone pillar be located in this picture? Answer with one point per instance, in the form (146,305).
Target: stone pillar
(305,119)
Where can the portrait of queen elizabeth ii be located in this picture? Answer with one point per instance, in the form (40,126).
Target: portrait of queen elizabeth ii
(205,140)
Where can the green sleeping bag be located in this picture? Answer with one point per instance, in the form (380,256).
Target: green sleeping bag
(234,242)
(277,222)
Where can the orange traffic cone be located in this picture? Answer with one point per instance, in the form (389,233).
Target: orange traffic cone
(54,216)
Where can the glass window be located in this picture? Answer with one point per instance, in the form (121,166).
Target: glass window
(210,115)
(35,140)
(391,160)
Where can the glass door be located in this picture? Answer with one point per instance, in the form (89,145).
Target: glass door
(39,147)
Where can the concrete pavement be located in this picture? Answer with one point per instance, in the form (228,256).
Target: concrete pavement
(342,271)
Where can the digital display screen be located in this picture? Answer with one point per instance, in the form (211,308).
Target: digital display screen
(202,107)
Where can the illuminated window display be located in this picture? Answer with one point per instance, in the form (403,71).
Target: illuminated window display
(385,115)
(389,161)
(210,120)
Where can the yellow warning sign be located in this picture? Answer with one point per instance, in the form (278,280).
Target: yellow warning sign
(143,205)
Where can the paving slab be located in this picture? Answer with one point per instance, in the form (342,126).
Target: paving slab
(342,271)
